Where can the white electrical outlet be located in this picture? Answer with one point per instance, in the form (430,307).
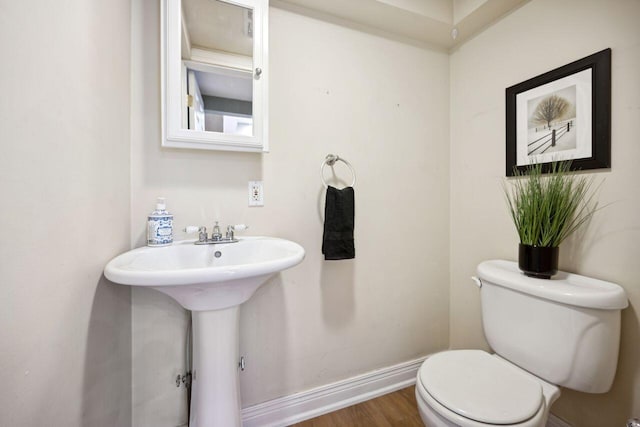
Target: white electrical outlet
(256,193)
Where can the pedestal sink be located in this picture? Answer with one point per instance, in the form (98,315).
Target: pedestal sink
(211,281)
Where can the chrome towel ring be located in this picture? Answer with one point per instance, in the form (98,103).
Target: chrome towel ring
(331,160)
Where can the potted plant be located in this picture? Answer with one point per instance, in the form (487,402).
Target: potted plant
(545,210)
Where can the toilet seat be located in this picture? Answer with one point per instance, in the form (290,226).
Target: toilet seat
(472,387)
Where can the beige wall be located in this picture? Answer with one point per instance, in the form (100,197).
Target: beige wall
(384,107)
(64,185)
(538,37)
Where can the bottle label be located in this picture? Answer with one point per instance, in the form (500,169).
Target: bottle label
(160,230)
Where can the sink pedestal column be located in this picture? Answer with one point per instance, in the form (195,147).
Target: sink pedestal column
(215,397)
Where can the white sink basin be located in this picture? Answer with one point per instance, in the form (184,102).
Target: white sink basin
(206,277)
(211,281)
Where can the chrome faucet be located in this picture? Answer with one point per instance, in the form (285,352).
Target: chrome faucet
(202,234)
(216,235)
(232,228)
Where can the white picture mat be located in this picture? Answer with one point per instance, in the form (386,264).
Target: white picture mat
(583,82)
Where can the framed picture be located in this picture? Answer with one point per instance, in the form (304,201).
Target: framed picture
(564,114)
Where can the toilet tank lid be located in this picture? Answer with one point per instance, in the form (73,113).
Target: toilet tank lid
(566,288)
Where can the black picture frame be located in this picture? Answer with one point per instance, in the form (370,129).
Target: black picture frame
(594,138)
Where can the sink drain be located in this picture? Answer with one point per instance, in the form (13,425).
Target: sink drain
(217,254)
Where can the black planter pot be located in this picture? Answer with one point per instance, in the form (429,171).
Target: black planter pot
(538,261)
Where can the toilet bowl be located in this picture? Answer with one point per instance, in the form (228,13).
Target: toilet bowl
(472,388)
(545,334)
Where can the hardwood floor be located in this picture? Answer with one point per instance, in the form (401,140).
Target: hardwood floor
(397,409)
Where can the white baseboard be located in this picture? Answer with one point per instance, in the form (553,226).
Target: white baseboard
(312,403)
(554,421)
(308,404)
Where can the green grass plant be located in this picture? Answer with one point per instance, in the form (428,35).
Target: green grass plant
(547,208)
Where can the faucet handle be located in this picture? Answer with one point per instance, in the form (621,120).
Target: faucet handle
(202,232)
(232,228)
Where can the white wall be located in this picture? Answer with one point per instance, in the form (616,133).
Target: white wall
(381,105)
(540,36)
(64,185)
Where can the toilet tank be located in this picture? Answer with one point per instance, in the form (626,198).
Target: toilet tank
(565,330)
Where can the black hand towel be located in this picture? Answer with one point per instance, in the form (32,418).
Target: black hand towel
(337,240)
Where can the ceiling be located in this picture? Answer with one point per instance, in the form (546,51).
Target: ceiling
(428,22)
(217,25)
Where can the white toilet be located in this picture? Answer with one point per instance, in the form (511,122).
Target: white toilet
(545,334)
